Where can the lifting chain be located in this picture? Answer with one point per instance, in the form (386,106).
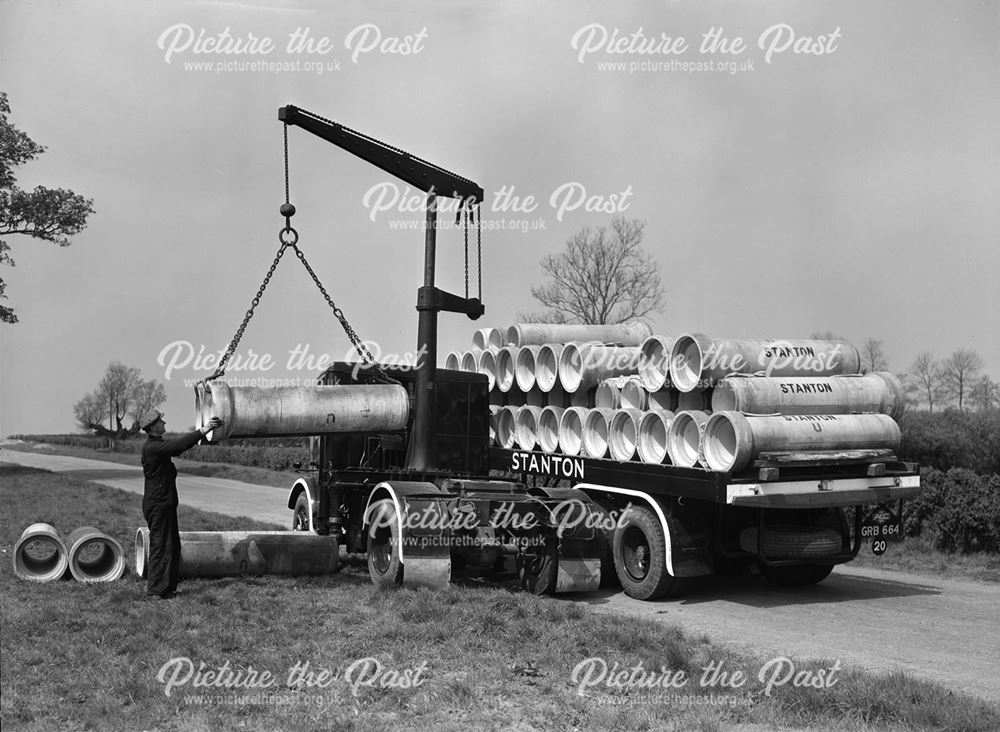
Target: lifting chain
(289,237)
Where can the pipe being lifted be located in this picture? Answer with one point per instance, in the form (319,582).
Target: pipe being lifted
(300,410)
(539,334)
(584,366)
(698,362)
(654,362)
(732,440)
(879,392)
(40,554)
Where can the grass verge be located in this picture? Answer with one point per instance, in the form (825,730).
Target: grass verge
(77,656)
(917,556)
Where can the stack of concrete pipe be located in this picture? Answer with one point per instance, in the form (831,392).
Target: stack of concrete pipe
(621,392)
(87,554)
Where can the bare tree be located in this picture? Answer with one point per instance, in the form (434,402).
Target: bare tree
(116,389)
(925,379)
(146,397)
(959,371)
(985,393)
(602,276)
(825,335)
(873,356)
(89,411)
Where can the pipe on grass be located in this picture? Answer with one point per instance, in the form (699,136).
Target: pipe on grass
(40,554)
(93,556)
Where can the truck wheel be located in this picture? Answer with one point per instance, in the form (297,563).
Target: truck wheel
(300,514)
(792,542)
(640,552)
(796,575)
(384,566)
(537,567)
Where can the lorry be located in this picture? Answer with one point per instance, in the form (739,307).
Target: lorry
(434,498)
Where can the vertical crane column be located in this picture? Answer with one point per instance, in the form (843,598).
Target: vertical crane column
(422,453)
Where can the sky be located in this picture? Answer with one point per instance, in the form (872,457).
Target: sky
(799,166)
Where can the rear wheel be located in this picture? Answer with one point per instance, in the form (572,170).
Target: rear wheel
(640,553)
(384,565)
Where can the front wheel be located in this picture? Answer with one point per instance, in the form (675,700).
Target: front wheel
(300,514)
(640,554)
(384,565)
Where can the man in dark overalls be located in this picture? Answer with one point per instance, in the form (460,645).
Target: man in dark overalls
(159,502)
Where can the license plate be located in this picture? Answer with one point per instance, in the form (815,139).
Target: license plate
(882,523)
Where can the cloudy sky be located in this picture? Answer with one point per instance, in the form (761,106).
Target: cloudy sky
(823,166)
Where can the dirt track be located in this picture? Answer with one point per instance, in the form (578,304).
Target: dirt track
(944,630)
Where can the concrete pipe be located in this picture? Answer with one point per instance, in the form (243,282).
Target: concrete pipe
(470,360)
(664,400)
(654,362)
(506,425)
(698,361)
(653,429)
(694,401)
(488,367)
(623,433)
(684,438)
(571,430)
(548,428)
(40,554)
(596,429)
(538,334)
(300,410)
(526,426)
(609,394)
(584,366)
(733,440)
(879,392)
(453,361)
(229,553)
(494,412)
(505,368)
(524,367)
(547,366)
(141,551)
(488,339)
(634,395)
(94,556)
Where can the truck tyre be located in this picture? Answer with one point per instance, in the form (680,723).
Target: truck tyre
(382,545)
(300,514)
(640,552)
(792,542)
(796,575)
(537,567)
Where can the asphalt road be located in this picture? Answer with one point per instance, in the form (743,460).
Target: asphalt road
(940,629)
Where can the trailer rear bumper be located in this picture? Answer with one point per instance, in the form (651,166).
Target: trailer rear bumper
(823,493)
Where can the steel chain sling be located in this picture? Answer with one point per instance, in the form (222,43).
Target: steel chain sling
(289,237)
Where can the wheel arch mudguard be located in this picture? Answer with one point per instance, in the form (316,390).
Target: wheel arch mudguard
(309,485)
(424,548)
(686,553)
